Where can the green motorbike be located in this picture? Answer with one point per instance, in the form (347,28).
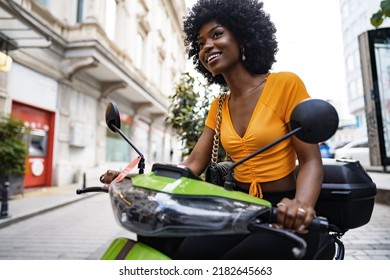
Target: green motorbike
(170,202)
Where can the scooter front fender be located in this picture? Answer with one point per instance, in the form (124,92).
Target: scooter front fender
(127,249)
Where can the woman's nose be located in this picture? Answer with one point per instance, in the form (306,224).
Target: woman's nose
(208,45)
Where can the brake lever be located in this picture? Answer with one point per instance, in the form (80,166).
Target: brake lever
(265,220)
(299,251)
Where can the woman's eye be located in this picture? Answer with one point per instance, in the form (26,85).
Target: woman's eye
(217,34)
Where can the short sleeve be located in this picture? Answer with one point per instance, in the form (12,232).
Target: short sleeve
(211,120)
(297,94)
(282,92)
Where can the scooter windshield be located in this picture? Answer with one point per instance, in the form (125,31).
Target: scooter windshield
(152,213)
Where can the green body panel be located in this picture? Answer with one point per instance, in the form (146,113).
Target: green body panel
(138,251)
(114,249)
(188,186)
(142,251)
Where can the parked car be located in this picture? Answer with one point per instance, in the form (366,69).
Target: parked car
(325,150)
(336,145)
(356,150)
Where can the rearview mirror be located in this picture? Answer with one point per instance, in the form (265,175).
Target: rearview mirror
(317,118)
(113,119)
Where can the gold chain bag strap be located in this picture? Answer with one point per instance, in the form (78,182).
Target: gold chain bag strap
(217,172)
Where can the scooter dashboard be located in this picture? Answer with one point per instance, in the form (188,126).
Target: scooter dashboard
(173,171)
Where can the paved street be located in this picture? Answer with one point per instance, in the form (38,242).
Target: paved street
(78,231)
(371,241)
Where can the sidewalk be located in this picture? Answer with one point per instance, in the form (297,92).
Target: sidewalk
(382,181)
(40,200)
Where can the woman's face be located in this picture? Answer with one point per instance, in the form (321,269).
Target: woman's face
(219,49)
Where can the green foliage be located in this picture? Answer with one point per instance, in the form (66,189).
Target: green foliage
(378,17)
(188,111)
(13,149)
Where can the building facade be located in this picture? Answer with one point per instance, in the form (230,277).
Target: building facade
(70,58)
(355,20)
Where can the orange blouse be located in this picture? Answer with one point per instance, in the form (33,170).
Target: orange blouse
(269,121)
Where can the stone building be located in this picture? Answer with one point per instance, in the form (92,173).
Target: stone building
(70,58)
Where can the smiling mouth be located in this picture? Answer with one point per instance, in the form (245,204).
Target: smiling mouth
(212,57)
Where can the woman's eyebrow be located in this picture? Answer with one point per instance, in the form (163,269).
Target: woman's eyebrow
(210,31)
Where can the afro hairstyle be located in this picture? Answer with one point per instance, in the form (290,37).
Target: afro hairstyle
(248,22)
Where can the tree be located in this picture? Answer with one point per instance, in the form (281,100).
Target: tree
(188,110)
(13,150)
(384,12)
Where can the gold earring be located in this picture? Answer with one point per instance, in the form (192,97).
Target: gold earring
(243,58)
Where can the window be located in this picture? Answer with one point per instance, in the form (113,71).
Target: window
(110,19)
(350,63)
(160,16)
(352,89)
(140,45)
(359,121)
(360,91)
(80,11)
(345,10)
(160,72)
(356,55)
(117,149)
(44,3)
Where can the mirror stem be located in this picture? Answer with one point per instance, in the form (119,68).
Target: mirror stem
(141,164)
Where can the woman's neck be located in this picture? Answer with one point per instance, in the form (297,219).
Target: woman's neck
(244,83)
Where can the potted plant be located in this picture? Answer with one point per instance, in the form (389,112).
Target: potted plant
(13,152)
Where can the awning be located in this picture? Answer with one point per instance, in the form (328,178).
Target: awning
(18,32)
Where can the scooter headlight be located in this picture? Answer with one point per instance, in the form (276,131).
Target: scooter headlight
(152,213)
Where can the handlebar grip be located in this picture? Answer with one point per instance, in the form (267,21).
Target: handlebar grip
(320,224)
(92,189)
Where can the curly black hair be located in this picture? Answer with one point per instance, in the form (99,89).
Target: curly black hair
(248,22)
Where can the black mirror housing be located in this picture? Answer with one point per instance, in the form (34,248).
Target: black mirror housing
(113,119)
(317,118)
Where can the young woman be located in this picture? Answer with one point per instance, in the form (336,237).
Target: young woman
(232,43)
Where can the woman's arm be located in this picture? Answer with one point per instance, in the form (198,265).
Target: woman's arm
(200,156)
(298,213)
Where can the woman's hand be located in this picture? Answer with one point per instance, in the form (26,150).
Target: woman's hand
(294,215)
(109,176)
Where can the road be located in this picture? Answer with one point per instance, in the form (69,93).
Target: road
(371,241)
(78,231)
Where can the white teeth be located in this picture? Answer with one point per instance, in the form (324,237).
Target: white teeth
(212,57)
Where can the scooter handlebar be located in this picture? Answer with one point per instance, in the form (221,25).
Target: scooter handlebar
(265,223)
(319,224)
(92,189)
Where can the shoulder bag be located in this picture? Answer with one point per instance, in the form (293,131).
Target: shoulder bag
(216,172)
